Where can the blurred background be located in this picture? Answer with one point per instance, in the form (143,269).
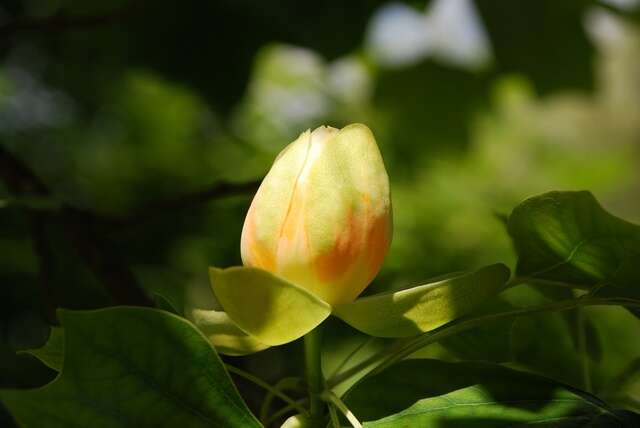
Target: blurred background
(133,135)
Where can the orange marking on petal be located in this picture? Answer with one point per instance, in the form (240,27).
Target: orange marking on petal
(345,252)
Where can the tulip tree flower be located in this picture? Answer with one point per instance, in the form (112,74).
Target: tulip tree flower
(322,217)
(314,238)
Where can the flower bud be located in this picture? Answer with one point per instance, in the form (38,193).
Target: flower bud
(321,218)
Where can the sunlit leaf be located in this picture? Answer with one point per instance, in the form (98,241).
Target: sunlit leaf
(269,308)
(132,367)
(425,307)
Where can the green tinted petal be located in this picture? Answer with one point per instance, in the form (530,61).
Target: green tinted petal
(271,309)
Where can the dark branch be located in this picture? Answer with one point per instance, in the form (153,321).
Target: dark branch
(42,249)
(60,22)
(18,178)
(102,258)
(83,228)
(80,227)
(216,191)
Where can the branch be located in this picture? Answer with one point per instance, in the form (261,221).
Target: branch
(59,22)
(102,258)
(81,229)
(45,264)
(216,191)
(18,178)
(261,383)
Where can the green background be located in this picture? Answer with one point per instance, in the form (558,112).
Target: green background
(133,133)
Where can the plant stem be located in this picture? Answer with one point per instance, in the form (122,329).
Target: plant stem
(256,380)
(335,422)
(582,349)
(287,383)
(315,381)
(276,415)
(333,399)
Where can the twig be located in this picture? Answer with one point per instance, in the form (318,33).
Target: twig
(216,191)
(333,416)
(332,398)
(83,228)
(80,228)
(45,264)
(257,381)
(280,413)
(18,177)
(102,258)
(59,22)
(291,383)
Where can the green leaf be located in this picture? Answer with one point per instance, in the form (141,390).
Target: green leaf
(52,353)
(419,309)
(132,367)
(561,410)
(567,237)
(269,308)
(471,395)
(544,344)
(202,309)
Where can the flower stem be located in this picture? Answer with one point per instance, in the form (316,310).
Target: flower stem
(315,380)
(333,399)
(257,381)
(582,349)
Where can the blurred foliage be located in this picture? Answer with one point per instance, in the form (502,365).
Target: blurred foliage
(153,101)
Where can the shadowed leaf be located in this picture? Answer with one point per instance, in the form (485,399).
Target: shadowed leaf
(132,367)
(567,237)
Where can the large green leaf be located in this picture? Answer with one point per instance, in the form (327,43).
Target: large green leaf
(269,308)
(132,367)
(472,395)
(425,307)
(52,353)
(567,237)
